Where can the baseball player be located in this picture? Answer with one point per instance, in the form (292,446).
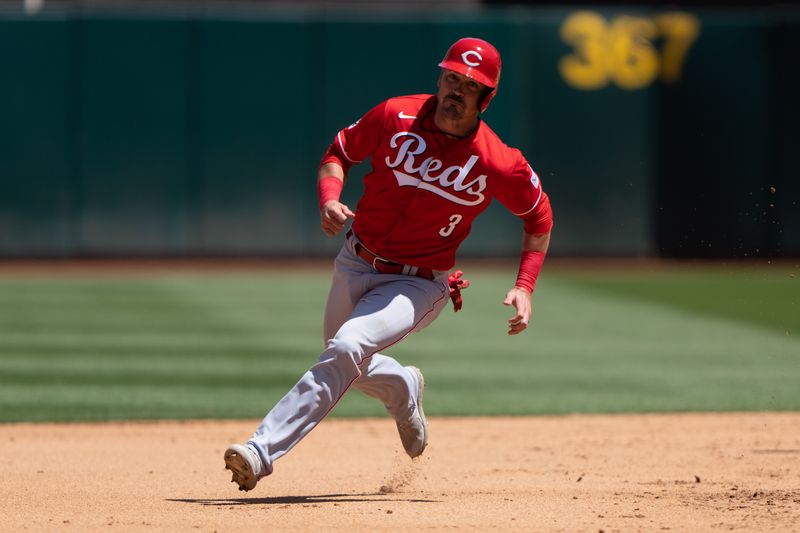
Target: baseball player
(435,167)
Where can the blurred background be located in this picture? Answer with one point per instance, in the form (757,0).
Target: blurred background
(194,129)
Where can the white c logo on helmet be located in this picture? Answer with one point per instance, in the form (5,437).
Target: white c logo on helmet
(467,62)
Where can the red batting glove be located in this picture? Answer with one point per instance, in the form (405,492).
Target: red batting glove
(456,286)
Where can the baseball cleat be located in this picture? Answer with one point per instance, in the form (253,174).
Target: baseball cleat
(414,430)
(246,466)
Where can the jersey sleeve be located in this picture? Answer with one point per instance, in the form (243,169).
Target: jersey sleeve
(355,143)
(524,197)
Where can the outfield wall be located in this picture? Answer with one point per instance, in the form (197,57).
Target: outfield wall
(671,132)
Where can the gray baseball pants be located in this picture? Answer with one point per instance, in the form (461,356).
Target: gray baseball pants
(366,313)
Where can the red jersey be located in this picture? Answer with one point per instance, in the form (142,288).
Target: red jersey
(426,188)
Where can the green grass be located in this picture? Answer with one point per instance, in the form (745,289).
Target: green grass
(229,346)
(766,296)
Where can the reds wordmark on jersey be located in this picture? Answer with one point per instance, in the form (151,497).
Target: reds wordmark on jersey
(426,188)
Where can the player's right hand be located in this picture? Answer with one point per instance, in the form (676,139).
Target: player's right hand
(333,217)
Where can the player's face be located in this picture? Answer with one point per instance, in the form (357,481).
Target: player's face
(458,95)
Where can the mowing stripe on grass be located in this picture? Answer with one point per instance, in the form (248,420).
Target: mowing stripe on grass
(215,345)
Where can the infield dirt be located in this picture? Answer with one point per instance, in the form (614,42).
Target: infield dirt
(692,472)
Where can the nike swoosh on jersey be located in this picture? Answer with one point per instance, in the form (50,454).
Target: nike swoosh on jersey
(402,114)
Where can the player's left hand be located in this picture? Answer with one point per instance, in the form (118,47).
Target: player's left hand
(457,284)
(521,300)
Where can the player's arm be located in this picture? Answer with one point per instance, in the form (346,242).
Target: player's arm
(534,250)
(351,145)
(525,198)
(332,213)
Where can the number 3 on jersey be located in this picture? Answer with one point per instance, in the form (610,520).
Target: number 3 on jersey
(448,230)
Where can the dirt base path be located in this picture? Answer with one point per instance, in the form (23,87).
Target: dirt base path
(701,472)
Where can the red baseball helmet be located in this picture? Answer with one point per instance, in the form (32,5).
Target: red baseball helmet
(476,59)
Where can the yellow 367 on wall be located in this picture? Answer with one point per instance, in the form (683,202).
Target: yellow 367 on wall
(623,49)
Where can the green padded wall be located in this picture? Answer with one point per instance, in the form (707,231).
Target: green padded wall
(199,133)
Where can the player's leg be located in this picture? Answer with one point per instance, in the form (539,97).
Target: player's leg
(254,460)
(384,378)
(387,380)
(350,281)
(399,388)
(387,312)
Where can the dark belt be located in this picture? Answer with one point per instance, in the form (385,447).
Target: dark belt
(384,266)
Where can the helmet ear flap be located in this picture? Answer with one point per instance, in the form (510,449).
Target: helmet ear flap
(486,98)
